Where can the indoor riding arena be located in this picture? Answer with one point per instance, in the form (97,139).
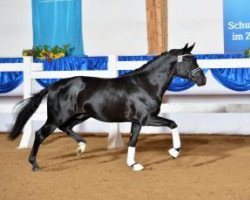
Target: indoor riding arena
(146,99)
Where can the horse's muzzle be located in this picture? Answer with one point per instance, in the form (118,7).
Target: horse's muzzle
(202,81)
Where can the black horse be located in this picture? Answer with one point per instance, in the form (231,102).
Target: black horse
(134,97)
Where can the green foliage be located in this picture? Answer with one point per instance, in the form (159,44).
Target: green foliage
(45,52)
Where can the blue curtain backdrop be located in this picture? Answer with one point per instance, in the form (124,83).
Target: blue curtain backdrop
(10,80)
(73,63)
(234,79)
(58,22)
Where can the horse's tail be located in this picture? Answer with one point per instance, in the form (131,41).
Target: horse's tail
(26,108)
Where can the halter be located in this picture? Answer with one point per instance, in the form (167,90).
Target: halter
(180,57)
(192,73)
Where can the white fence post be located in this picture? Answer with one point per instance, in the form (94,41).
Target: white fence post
(115,137)
(27,138)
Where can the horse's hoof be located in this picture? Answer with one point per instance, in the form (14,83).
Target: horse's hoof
(81,148)
(174,152)
(36,169)
(136,167)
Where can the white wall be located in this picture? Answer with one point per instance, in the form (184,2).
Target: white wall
(15,27)
(119,26)
(199,21)
(114,27)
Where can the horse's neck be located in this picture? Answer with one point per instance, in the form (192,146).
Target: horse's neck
(158,76)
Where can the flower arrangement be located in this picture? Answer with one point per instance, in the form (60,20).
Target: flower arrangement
(45,52)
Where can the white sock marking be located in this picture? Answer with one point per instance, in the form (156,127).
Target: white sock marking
(131,160)
(176,138)
(131,156)
(81,147)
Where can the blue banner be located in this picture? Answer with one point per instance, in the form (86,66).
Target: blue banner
(236,25)
(58,22)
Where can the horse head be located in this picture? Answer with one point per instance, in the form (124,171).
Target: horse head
(186,65)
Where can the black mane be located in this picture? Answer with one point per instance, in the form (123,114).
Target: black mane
(146,64)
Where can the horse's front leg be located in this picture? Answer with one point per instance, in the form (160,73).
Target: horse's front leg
(159,121)
(135,130)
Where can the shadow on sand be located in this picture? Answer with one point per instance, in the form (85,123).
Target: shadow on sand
(214,147)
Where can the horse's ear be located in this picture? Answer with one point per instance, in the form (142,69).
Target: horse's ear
(189,49)
(185,48)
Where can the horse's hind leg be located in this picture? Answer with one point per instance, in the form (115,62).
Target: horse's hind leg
(40,136)
(67,127)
